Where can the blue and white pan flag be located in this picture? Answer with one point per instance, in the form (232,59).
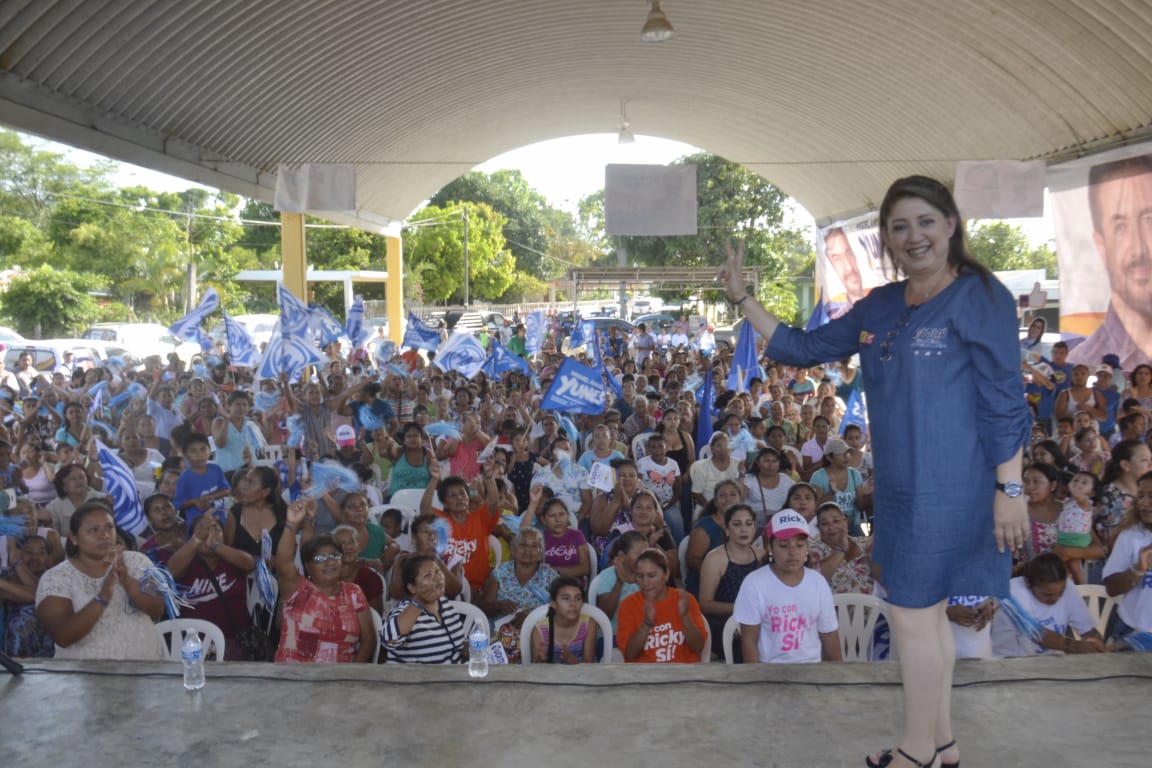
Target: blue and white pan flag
(188,327)
(241,349)
(461,352)
(121,486)
(500,360)
(855,413)
(322,326)
(354,326)
(419,335)
(536,329)
(576,388)
(744,366)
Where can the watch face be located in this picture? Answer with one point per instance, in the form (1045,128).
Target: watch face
(1012,490)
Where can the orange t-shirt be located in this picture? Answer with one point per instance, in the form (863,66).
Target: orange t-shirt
(666,643)
(469,542)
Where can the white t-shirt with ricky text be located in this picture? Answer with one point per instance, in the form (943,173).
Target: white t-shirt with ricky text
(1069,610)
(791,619)
(1135,607)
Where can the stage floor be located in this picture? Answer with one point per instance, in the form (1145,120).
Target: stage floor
(1024,713)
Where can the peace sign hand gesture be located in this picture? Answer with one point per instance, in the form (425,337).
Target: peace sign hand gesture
(732,273)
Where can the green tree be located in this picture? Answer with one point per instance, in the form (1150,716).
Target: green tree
(32,177)
(48,302)
(531,223)
(1001,246)
(434,247)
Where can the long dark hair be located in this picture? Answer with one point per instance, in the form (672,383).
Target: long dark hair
(553,594)
(939,197)
(1122,451)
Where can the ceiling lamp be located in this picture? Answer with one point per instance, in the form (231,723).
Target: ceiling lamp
(626,135)
(657,28)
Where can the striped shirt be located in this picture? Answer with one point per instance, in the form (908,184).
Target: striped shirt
(431,641)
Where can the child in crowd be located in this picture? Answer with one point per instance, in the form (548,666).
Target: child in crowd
(567,636)
(565,547)
(1091,458)
(202,486)
(392,521)
(1074,526)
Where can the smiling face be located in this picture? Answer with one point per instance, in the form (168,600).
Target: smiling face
(324,566)
(644,512)
(917,235)
(1037,487)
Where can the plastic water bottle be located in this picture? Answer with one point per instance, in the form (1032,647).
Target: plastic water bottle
(477,653)
(192,655)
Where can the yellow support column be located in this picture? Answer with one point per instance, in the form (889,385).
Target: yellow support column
(394,288)
(294,254)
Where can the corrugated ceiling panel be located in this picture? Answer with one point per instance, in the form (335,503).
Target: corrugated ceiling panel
(830,99)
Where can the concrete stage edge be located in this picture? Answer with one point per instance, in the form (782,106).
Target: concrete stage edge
(1024,713)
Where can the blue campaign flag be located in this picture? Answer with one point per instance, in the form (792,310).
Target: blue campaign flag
(744,366)
(855,413)
(706,397)
(419,335)
(322,326)
(188,327)
(241,349)
(819,315)
(294,314)
(119,483)
(462,352)
(354,327)
(583,331)
(576,388)
(290,351)
(500,360)
(611,380)
(535,328)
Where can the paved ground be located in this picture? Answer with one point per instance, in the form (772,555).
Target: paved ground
(1026,713)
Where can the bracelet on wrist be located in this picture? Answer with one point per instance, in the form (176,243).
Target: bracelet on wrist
(740,301)
(291,527)
(100,600)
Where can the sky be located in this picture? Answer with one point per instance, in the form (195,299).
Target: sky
(564,170)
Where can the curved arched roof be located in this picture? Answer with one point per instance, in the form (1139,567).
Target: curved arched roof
(828,99)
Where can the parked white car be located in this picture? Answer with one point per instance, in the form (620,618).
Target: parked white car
(144,339)
(259,327)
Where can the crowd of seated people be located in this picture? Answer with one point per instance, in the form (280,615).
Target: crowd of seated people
(468,492)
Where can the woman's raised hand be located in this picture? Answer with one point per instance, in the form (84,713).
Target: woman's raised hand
(683,604)
(732,273)
(297,512)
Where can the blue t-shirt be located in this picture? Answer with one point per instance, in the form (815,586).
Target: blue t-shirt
(193,485)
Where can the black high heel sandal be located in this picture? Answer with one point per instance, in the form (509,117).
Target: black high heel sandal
(945,748)
(886,757)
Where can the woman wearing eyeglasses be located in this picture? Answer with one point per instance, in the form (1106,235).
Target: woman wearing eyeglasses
(940,357)
(325,620)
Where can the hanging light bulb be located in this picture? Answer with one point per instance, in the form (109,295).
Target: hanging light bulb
(626,136)
(657,28)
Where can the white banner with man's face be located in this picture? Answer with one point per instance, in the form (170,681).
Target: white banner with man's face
(848,262)
(1102,213)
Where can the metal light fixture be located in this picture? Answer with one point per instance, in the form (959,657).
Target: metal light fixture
(626,135)
(657,28)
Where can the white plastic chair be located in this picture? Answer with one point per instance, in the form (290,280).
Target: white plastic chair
(472,617)
(495,549)
(540,613)
(174,632)
(683,553)
(378,623)
(706,653)
(593,561)
(731,632)
(407,498)
(640,445)
(1100,605)
(857,616)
